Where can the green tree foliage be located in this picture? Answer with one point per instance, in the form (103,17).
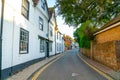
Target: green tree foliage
(76,12)
(83,34)
(89,14)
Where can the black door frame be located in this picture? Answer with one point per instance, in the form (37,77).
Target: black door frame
(47,49)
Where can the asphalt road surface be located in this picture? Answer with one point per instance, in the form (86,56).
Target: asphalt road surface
(70,67)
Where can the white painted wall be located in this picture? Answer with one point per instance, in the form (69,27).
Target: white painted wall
(52,38)
(13,21)
(59,43)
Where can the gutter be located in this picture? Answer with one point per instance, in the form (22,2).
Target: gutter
(1,31)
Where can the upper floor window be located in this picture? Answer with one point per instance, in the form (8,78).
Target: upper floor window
(25,9)
(24,40)
(51,32)
(57,35)
(40,23)
(60,37)
(43,4)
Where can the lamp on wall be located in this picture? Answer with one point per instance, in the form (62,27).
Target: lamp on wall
(35,2)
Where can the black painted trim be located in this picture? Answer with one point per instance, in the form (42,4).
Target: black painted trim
(12,70)
(1,31)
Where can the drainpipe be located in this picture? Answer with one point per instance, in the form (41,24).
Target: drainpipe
(55,37)
(55,40)
(48,38)
(48,26)
(1,30)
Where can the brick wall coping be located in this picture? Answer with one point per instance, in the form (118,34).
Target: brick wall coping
(113,23)
(107,28)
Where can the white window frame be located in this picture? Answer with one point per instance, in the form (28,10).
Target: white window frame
(42,45)
(43,4)
(57,35)
(41,23)
(50,46)
(24,41)
(51,32)
(25,9)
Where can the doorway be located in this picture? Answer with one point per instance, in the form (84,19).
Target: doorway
(47,49)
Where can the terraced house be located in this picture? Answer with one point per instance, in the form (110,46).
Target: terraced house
(59,42)
(27,34)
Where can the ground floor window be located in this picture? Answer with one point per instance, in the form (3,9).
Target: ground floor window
(50,46)
(57,47)
(42,45)
(24,41)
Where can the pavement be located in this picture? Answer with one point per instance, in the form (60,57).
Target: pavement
(27,72)
(100,67)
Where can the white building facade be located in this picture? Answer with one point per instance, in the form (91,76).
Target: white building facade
(59,42)
(52,31)
(56,41)
(25,34)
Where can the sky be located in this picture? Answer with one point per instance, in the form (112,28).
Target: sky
(64,29)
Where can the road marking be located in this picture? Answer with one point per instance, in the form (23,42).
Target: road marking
(43,68)
(100,72)
(75,74)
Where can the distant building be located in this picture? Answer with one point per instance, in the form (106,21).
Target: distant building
(68,42)
(74,45)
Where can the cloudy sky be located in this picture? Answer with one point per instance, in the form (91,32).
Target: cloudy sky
(65,29)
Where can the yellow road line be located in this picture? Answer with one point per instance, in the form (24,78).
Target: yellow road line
(100,72)
(42,69)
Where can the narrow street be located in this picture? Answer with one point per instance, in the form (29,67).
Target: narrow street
(69,67)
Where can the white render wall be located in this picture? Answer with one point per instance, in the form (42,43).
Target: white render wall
(52,38)
(13,21)
(59,43)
